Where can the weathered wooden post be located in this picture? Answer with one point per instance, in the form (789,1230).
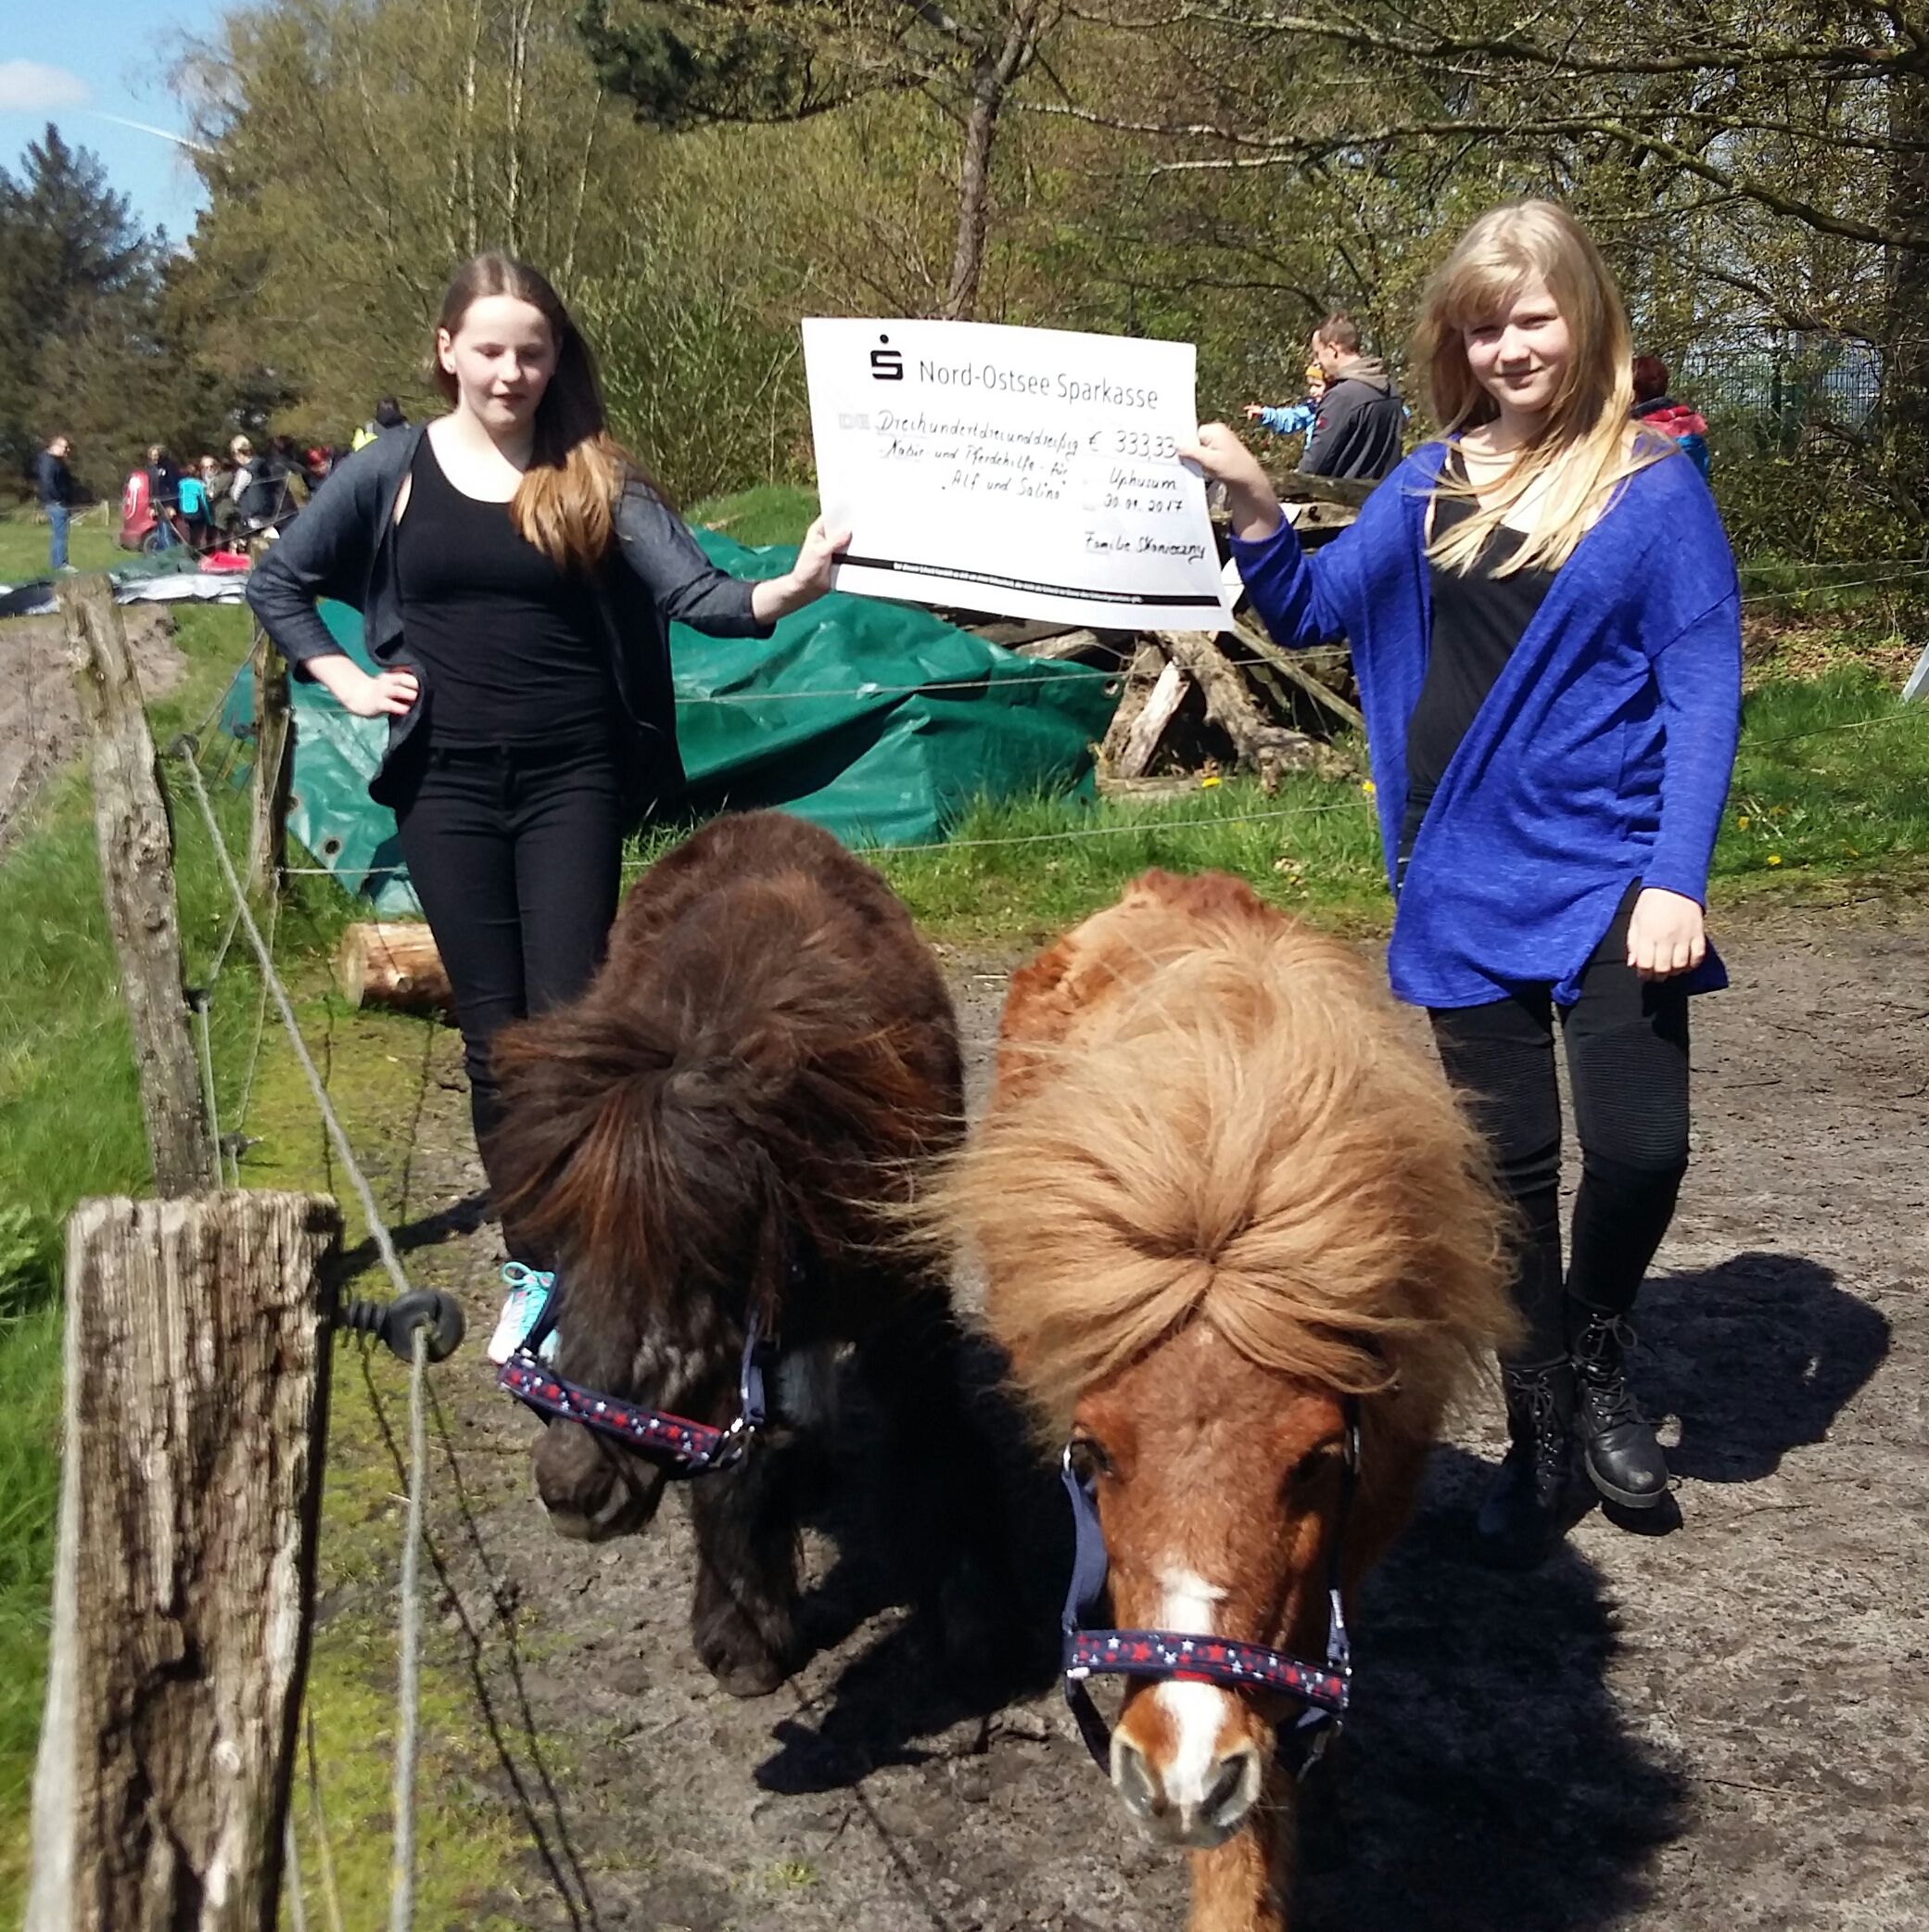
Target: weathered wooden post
(196,1358)
(137,876)
(275,732)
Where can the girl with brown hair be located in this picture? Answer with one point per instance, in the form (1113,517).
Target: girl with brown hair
(1545,623)
(517,574)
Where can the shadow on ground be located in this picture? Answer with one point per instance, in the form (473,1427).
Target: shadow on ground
(1757,1357)
(1489,1782)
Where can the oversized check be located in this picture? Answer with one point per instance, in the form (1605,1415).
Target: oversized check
(1025,471)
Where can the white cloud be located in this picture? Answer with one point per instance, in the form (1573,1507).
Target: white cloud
(30,86)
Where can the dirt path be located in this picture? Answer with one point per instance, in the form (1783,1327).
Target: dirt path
(1722,1728)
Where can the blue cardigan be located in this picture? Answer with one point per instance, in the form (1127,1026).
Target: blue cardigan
(1601,756)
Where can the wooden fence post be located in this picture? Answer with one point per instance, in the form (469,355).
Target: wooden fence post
(196,1360)
(137,875)
(275,731)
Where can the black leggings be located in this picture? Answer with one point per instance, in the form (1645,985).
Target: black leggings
(1627,1041)
(516,857)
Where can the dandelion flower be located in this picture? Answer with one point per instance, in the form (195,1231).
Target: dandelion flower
(1367,785)
(1742,822)
(1774,859)
(1206,784)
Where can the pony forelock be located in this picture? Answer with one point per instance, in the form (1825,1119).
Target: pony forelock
(1244,1134)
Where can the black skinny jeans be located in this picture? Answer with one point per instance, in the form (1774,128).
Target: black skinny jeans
(516,856)
(1627,1041)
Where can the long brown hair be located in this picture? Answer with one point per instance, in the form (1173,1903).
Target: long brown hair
(566,505)
(1583,452)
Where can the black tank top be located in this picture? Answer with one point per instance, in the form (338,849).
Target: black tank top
(1478,620)
(507,643)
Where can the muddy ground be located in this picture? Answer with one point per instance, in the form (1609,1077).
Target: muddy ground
(40,719)
(1723,1727)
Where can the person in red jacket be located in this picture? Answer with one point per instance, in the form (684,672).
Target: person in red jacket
(1655,407)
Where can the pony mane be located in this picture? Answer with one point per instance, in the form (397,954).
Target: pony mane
(1206,1111)
(767,1048)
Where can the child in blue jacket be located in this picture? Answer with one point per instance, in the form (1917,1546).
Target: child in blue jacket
(1545,624)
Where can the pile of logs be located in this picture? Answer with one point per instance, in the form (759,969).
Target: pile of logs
(1203,701)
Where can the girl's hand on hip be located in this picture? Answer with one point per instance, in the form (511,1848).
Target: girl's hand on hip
(384,694)
(1665,934)
(1223,458)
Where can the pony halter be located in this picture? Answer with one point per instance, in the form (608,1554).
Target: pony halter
(1167,1656)
(684,1447)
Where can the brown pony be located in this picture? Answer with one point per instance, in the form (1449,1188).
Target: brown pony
(1219,1193)
(732,1119)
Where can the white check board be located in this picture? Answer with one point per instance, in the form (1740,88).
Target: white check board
(1030,472)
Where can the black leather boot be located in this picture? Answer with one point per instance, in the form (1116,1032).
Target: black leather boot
(1525,1512)
(1624,1461)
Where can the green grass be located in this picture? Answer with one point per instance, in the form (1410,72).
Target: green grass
(772,512)
(23,544)
(1833,780)
(1044,863)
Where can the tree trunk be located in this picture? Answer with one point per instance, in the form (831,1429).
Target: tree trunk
(1905,377)
(275,731)
(392,963)
(196,1357)
(991,80)
(137,876)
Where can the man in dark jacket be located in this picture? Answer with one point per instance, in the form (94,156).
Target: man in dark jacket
(53,485)
(1361,418)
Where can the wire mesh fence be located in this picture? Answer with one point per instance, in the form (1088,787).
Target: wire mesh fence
(1769,386)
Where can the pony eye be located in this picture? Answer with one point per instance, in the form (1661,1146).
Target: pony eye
(1313,1464)
(1088,1458)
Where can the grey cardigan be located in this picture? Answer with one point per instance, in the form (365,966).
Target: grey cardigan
(342,546)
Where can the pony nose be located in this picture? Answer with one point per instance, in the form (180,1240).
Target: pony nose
(1226,1790)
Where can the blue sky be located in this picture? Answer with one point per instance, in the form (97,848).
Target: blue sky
(90,66)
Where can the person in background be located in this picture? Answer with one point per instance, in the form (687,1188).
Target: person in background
(241,453)
(164,481)
(196,511)
(1361,420)
(1545,622)
(53,484)
(387,416)
(1294,418)
(218,484)
(517,574)
(1655,407)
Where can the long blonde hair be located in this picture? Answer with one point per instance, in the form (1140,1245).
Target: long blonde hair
(566,505)
(1583,452)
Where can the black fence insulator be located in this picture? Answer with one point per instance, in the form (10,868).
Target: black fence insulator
(394,1323)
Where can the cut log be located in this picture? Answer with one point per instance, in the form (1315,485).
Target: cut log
(196,1379)
(136,845)
(1282,662)
(392,963)
(1142,742)
(1141,674)
(1269,749)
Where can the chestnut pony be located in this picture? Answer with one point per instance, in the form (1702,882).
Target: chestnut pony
(1224,1203)
(730,1122)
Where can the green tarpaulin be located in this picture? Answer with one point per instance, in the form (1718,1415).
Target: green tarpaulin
(878,721)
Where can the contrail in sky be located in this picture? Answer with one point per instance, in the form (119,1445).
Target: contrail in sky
(141,127)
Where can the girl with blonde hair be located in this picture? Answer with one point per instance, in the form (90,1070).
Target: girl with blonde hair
(1546,627)
(517,574)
